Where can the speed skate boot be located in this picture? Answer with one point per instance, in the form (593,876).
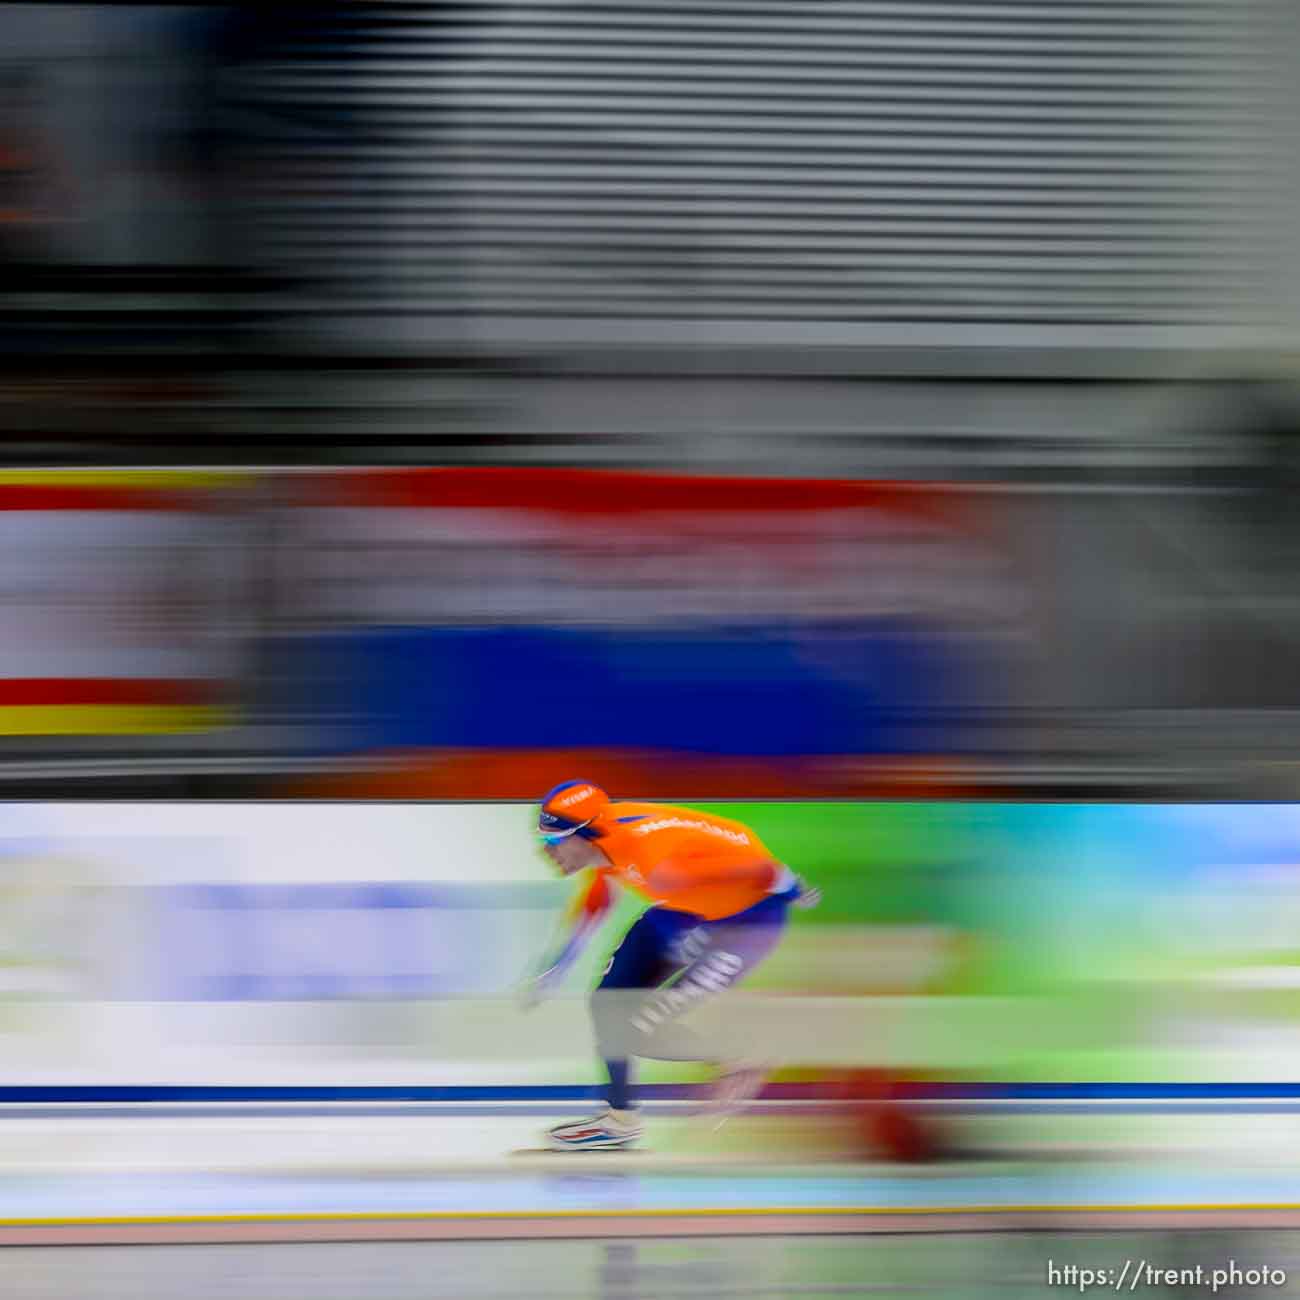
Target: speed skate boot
(610,1130)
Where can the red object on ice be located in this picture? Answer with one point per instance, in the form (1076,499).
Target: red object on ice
(882,1120)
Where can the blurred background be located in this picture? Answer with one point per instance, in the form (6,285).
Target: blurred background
(878,420)
(999,302)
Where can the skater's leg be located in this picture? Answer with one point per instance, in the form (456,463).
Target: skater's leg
(639,964)
(724,953)
(716,955)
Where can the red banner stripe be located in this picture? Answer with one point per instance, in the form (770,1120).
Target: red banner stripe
(606,491)
(44,496)
(46,691)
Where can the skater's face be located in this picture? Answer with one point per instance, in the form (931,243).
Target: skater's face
(572,853)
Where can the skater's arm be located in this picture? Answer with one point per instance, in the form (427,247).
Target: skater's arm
(583,917)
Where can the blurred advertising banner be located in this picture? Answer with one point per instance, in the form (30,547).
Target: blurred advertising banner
(362,944)
(124,592)
(337,941)
(489,630)
(198,943)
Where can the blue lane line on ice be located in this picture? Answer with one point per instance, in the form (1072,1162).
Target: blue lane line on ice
(996,1092)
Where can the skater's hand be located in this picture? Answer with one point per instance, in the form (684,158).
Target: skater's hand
(530,995)
(532,992)
(808,895)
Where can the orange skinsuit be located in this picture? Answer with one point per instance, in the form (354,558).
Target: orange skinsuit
(639,836)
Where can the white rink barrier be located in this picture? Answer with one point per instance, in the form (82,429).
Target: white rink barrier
(348,944)
(379,945)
